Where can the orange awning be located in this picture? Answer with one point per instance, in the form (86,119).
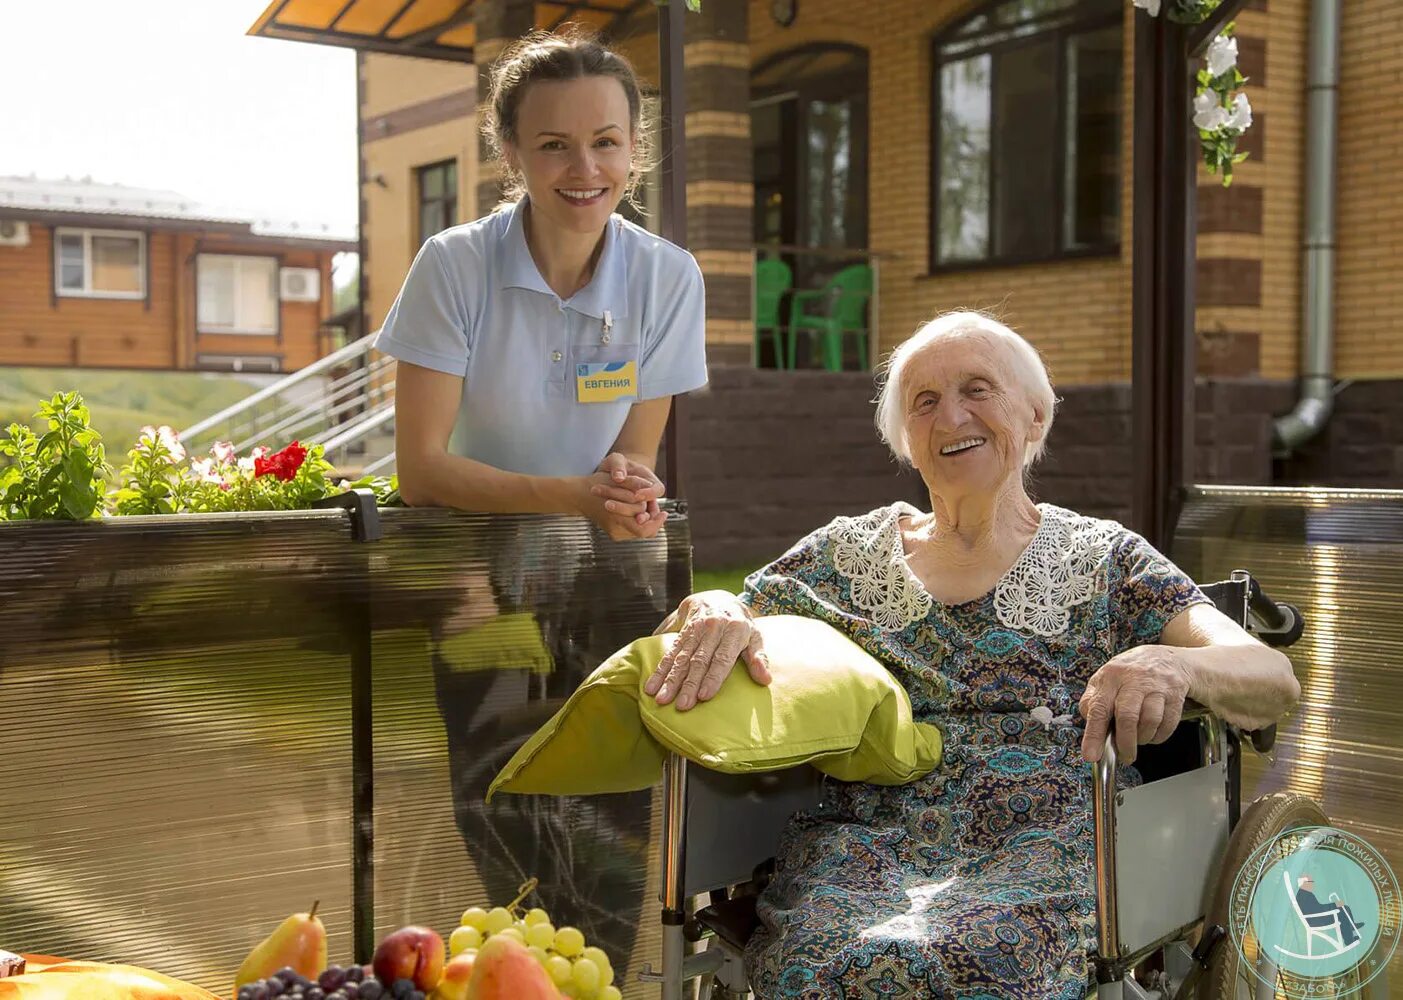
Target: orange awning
(433,29)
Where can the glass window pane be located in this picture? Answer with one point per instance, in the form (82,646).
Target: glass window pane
(214,304)
(1091,205)
(258,295)
(964,160)
(70,262)
(450,180)
(1025,144)
(829,166)
(431,183)
(116,264)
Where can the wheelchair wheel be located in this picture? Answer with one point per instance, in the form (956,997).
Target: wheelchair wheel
(1230,976)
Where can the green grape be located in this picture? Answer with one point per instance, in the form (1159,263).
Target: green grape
(464,939)
(536,916)
(558,969)
(597,956)
(586,975)
(474,916)
(569,942)
(512,933)
(540,935)
(498,920)
(610,993)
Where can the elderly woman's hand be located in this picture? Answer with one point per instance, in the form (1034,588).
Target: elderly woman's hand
(716,629)
(1143,689)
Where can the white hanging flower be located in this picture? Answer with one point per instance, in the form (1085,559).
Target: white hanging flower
(1222,55)
(1209,114)
(1152,6)
(1241,116)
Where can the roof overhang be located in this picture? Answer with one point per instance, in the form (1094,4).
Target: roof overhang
(428,29)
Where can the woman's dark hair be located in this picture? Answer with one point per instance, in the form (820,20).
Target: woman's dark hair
(570,54)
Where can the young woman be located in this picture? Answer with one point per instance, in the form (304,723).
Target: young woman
(539,348)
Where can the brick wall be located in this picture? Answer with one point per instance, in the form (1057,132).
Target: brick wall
(774,455)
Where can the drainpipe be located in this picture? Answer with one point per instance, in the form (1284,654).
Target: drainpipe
(1313,408)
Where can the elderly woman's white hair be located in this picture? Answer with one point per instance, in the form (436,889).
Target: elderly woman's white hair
(1028,372)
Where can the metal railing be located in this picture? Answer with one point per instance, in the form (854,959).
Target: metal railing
(337,401)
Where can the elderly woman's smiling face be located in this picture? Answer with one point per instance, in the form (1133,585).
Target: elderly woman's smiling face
(968,419)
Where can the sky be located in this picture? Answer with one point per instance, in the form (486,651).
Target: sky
(173,94)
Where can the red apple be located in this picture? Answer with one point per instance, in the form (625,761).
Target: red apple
(414,953)
(456,976)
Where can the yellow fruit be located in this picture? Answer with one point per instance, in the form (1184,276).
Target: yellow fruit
(474,916)
(498,920)
(540,935)
(586,975)
(514,934)
(569,942)
(536,916)
(299,942)
(559,969)
(610,993)
(539,954)
(464,939)
(597,956)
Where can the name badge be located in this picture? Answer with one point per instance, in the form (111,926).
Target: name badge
(606,382)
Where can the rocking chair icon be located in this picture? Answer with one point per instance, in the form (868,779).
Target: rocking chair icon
(1331,933)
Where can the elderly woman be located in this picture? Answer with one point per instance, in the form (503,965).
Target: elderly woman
(1004,620)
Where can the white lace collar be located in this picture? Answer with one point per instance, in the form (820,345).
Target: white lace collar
(1056,572)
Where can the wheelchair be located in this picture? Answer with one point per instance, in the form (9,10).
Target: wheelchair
(1166,852)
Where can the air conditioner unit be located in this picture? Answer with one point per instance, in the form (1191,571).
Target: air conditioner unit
(301,284)
(14,233)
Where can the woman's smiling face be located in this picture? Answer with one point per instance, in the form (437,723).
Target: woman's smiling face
(968,421)
(573,147)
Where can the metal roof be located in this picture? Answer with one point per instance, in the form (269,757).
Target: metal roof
(435,29)
(35,195)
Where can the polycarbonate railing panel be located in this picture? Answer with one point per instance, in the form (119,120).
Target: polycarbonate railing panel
(483,627)
(196,712)
(175,738)
(1338,555)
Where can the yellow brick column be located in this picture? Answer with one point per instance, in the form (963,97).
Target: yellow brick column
(720,189)
(498,24)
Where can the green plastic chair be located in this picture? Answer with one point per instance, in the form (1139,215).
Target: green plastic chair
(843,299)
(772,279)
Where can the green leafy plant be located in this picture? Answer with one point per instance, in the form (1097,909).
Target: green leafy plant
(1221,111)
(58,476)
(385,488)
(151,479)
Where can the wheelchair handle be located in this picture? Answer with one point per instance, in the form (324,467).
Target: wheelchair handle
(1278,623)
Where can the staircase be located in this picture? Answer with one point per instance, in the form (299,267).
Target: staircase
(344,402)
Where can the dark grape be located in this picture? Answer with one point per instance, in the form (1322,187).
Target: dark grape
(275,986)
(402,988)
(260,991)
(314,993)
(352,991)
(371,990)
(246,992)
(332,978)
(355,974)
(416,995)
(287,974)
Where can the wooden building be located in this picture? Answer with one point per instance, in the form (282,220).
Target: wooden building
(106,276)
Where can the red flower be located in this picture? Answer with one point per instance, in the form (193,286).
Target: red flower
(282,464)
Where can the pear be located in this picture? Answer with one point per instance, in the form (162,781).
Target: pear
(299,943)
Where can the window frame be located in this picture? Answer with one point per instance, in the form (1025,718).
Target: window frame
(1082,22)
(420,201)
(236,331)
(88,292)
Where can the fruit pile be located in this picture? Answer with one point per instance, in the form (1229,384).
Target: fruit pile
(334,983)
(503,953)
(575,969)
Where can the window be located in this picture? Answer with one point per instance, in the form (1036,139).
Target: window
(100,263)
(438,198)
(1026,164)
(237,294)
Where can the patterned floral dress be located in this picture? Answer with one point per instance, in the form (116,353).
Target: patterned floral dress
(977,880)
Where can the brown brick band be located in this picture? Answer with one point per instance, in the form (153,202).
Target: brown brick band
(1229,281)
(720,227)
(459,104)
(727,296)
(1236,209)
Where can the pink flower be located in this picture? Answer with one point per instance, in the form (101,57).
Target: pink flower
(262,451)
(223,452)
(205,471)
(171,440)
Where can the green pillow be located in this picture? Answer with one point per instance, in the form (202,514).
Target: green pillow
(830,704)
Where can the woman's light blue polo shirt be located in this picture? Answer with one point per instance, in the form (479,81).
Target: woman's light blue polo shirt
(475,305)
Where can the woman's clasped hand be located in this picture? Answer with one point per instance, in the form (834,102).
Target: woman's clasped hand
(623,498)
